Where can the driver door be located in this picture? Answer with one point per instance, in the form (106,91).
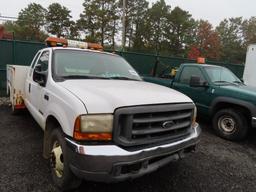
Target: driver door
(200,95)
(35,90)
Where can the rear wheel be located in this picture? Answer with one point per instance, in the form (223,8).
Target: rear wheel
(230,124)
(61,173)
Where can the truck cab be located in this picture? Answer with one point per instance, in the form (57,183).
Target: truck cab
(101,121)
(218,95)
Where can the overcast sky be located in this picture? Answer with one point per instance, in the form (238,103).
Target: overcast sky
(211,10)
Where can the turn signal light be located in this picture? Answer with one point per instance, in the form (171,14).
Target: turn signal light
(93,136)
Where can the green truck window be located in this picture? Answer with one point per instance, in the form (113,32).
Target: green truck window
(221,75)
(187,72)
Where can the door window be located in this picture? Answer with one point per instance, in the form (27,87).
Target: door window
(43,61)
(33,63)
(187,72)
(42,64)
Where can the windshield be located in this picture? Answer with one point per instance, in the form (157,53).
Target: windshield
(77,64)
(221,75)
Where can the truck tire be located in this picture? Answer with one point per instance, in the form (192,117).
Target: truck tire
(61,173)
(230,124)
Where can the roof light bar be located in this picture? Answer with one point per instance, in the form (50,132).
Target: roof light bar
(61,42)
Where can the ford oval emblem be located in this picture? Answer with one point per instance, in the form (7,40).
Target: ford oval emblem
(168,124)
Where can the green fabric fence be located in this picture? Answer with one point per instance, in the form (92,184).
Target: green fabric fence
(22,53)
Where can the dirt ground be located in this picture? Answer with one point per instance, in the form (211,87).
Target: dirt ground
(218,165)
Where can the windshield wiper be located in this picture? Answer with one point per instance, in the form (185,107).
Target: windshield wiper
(239,82)
(123,78)
(221,82)
(82,77)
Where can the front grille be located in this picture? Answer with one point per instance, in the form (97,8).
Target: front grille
(153,124)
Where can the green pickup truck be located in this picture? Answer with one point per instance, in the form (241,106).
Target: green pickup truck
(219,95)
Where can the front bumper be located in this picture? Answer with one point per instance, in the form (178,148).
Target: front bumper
(110,163)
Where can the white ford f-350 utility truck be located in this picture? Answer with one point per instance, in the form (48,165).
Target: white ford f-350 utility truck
(101,122)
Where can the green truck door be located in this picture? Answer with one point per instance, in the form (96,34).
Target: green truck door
(200,95)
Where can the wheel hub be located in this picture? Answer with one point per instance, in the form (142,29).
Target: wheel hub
(57,162)
(227,124)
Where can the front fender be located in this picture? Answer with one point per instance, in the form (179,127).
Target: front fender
(251,107)
(63,116)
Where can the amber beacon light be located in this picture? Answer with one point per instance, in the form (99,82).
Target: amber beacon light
(61,42)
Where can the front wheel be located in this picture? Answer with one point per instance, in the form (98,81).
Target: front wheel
(61,173)
(230,124)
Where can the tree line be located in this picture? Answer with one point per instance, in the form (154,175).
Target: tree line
(152,28)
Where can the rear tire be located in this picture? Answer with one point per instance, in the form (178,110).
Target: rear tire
(61,173)
(230,124)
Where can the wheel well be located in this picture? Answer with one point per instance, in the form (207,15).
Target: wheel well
(51,123)
(225,105)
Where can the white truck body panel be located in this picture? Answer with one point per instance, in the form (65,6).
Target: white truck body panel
(16,77)
(249,76)
(63,105)
(101,96)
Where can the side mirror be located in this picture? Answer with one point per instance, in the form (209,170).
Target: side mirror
(40,76)
(195,81)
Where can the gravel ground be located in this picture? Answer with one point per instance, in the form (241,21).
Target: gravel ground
(218,165)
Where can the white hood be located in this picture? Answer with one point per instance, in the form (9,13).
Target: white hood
(104,96)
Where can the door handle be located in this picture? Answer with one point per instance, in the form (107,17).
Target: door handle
(29,87)
(46,97)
